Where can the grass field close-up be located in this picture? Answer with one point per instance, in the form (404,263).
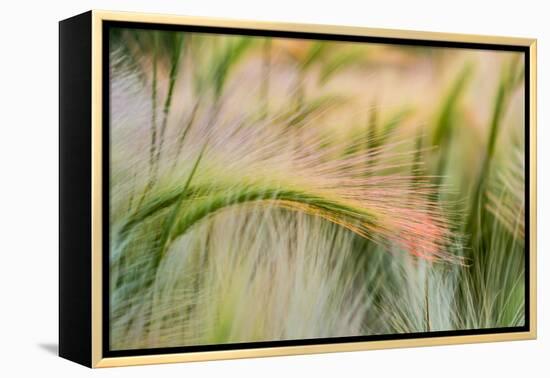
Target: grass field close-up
(269,188)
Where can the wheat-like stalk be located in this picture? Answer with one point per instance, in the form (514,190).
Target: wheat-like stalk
(265,218)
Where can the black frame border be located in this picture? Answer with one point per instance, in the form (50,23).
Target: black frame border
(106,25)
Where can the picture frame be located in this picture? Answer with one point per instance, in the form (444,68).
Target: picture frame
(87,147)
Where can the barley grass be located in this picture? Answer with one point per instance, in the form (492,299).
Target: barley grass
(273,189)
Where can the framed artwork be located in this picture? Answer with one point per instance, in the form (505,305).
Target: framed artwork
(235,189)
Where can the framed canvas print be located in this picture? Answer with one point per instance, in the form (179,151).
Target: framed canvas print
(236,189)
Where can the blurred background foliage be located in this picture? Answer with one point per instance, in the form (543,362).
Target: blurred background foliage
(267,189)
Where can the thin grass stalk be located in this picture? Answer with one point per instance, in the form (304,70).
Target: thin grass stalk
(266,72)
(372,132)
(176,48)
(153,145)
(185,130)
(446,120)
(477,213)
(172,217)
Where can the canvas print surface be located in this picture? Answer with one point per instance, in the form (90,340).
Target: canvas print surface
(265,189)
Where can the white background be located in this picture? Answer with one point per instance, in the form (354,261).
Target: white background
(29,189)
